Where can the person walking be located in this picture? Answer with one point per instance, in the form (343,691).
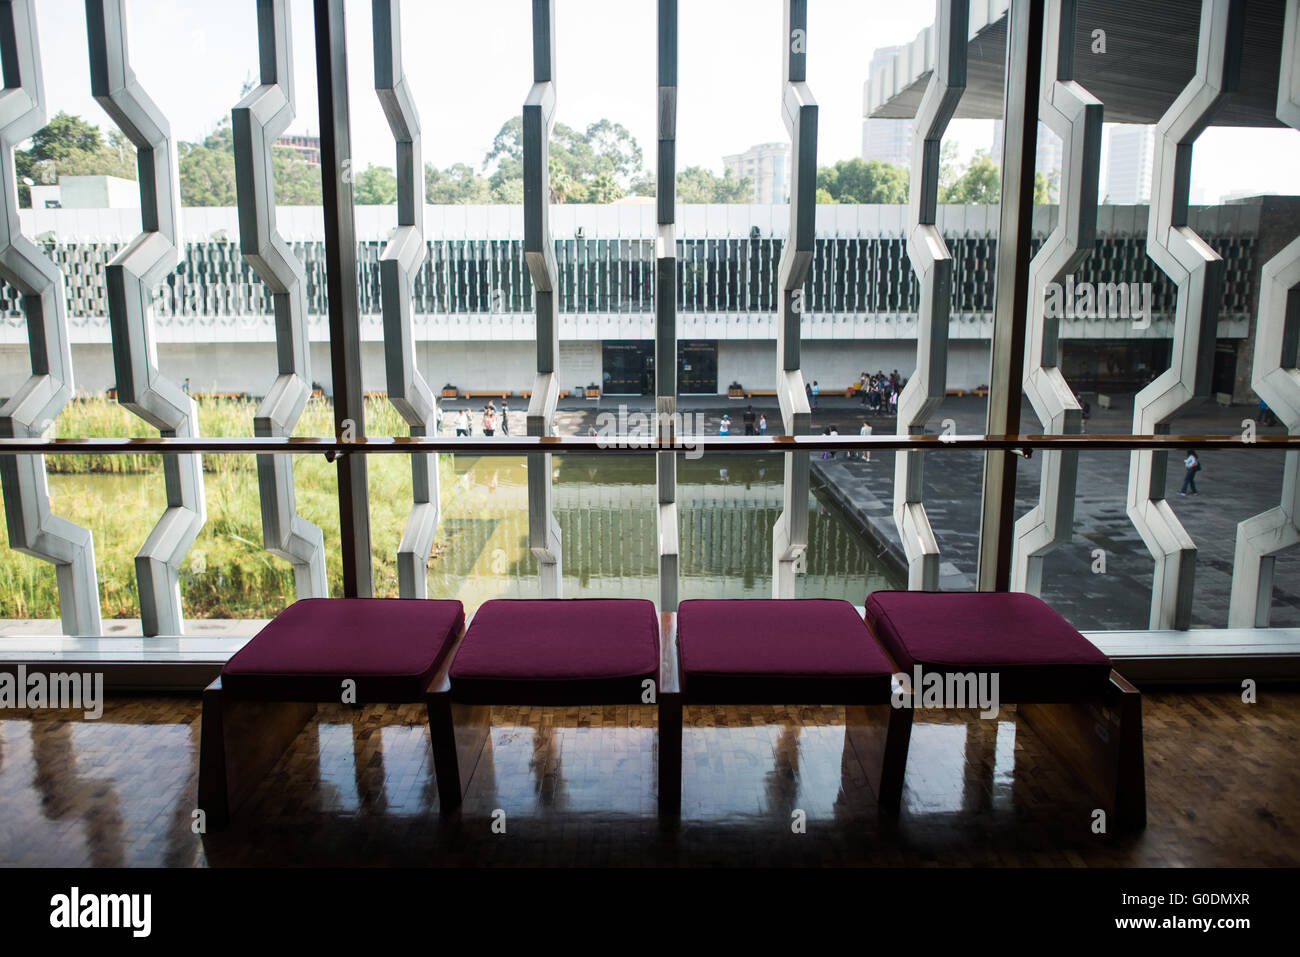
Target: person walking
(462,423)
(489,421)
(724,427)
(505,417)
(816,391)
(748,419)
(864,432)
(1193,465)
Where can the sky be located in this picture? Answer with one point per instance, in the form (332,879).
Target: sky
(469,66)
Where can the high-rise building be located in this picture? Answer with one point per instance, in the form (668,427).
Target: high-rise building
(889,141)
(1047,158)
(1128,164)
(767,166)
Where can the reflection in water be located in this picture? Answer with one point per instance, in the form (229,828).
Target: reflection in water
(727,505)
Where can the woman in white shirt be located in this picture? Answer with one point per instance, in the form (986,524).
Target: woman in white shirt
(865,431)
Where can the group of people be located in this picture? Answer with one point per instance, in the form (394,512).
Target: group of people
(834,430)
(754,423)
(489,421)
(879,392)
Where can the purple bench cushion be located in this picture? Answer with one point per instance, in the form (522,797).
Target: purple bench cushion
(779,651)
(391,647)
(558,651)
(1037,654)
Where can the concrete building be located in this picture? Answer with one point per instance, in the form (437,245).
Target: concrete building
(87,192)
(473,297)
(767,166)
(1128,155)
(889,141)
(305,147)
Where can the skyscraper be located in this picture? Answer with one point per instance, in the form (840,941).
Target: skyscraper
(1047,158)
(1128,164)
(887,140)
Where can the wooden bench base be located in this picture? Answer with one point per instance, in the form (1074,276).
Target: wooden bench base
(1099,740)
(239,742)
(879,741)
(242,739)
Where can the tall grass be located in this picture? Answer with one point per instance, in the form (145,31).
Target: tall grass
(219,417)
(227,573)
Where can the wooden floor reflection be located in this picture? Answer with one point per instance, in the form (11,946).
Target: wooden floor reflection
(577,787)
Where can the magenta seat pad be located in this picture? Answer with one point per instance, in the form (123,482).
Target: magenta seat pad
(1038,655)
(391,647)
(558,651)
(779,651)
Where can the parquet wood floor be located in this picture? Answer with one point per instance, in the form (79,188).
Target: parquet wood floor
(577,787)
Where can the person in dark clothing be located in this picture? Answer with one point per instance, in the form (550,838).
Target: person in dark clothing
(1193,465)
(749,419)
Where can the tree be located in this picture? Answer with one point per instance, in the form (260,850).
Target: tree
(981,183)
(377,186)
(207,176)
(604,189)
(613,150)
(597,165)
(695,184)
(457,185)
(862,181)
(297,182)
(207,169)
(1044,186)
(207,172)
(71,146)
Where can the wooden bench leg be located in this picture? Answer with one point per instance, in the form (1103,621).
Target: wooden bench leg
(881,745)
(458,734)
(1101,742)
(670,755)
(239,742)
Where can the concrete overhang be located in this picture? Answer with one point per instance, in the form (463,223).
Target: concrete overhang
(1150,55)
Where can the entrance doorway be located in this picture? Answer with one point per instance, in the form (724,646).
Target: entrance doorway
(697,367)
(628,367)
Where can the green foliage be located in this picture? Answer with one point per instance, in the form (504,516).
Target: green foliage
(227,573)
(70,146)
(458,184)
(207,176)
(377,186)
(862,181)
(695,184)
(980,184)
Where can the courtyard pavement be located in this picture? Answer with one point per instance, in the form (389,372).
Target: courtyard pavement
(1233,486)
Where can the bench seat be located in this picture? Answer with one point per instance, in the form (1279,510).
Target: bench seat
(1063,686)
(391,648)
(768,651)
(353,651)
(1037,654)
(575,651)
